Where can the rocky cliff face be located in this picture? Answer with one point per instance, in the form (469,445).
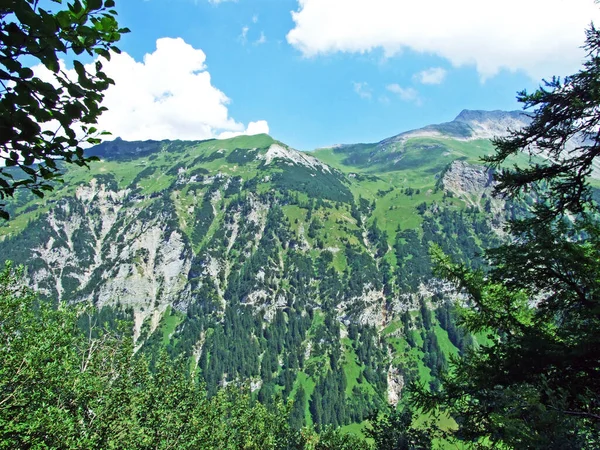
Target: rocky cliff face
(103,246)
(469,181)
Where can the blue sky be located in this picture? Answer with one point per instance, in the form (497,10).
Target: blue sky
(335,72)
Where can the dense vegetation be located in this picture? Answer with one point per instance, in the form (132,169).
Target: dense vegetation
(537,386)
(69,382)
(248,300)
(34,34)
(285,308)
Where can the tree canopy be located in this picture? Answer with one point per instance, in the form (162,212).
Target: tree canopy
(45,122)
(69,382)
(538,385)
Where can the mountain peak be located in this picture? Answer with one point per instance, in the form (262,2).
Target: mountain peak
(470,125)
(491,124)
(469,115)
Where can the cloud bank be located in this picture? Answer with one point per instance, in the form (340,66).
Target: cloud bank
(539,37)
(168,95)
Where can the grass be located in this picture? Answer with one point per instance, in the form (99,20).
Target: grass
(168,324)
(483,338)
(296,217)
(357,429)
(393,326)
(350,365)
(308,384)
(444,342)
(333,159)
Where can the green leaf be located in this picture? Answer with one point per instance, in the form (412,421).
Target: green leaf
(94,4)
(26,73)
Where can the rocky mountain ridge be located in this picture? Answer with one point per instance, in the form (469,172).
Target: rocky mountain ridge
(469,125)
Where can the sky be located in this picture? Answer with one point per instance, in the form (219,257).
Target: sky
(314,73)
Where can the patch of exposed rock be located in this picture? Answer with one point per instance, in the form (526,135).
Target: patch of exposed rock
(475,184)
(466,180)
(277,151)
(395,382)
(366,309)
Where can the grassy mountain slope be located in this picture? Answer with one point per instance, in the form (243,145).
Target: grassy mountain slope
(306,275)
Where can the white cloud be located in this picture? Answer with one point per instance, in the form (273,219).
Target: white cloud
(434,75)
(255,18)
(363,90)
(405,94)
(167,96)
(258,127)
(540,37)
(244,34)
(261,40)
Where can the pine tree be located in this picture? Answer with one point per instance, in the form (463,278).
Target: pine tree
(538,385)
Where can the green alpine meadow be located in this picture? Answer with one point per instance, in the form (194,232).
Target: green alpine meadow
(219,289)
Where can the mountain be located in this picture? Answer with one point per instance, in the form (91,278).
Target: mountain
(470,125)
(306,275)
(427,150)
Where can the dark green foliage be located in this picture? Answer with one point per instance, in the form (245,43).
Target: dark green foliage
(537,387)
(364,206)
(203,219)
(225,332)
(383,193)
(316,183)
(397,431)
(378,239)
(297,413)
(413,262)
(332,439)
(147,172)
(460,235)
(108,180)
(120,150)
(206,158)
(242,155)
(362,270)
(315,226)
(234,186)
(565,111)
(33,34)
(448,317)
(328,402)
(93,391)
(434,357)
(232,349)
(371,356)
(355,213)
(95,322)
